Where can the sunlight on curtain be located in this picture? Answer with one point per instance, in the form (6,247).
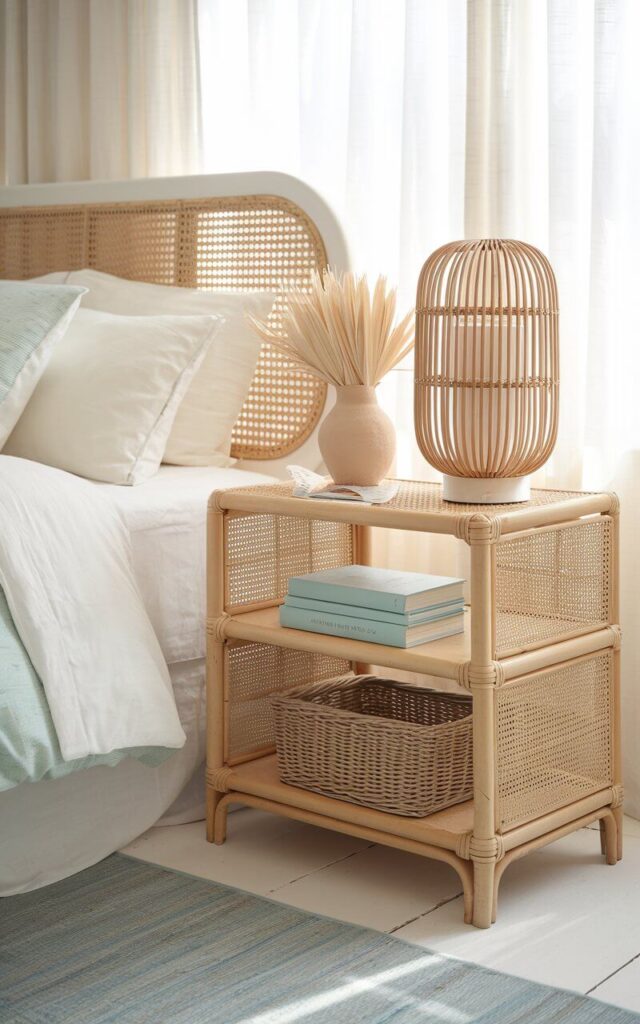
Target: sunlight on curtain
(552,154)
(96,89)
(425,122)
(366,102)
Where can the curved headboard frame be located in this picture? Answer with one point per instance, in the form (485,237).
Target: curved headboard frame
(248,231)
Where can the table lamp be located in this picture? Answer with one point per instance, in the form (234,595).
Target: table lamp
(486,367)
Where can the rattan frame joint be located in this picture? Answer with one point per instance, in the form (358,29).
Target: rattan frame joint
(216,628)
(614,506)
(472,676)
(219,779)
(486,851)
(477,528)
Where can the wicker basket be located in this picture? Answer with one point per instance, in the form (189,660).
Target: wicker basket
(376,742)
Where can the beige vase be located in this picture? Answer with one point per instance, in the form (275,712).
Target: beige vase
(357,439)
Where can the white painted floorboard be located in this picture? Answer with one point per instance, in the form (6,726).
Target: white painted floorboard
(263,852)
(565,918)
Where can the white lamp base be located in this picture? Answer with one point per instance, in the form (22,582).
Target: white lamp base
(485,491)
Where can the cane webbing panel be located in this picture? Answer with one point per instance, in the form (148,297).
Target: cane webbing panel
(421,496)
(255,671)
(263,551)
(254,243)
(552,583)
(553,738)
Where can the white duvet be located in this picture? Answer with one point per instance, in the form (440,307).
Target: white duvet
(65,568)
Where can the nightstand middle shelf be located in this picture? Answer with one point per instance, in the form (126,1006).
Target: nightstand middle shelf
(444,658)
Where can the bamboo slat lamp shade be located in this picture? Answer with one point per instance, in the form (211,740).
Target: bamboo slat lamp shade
(486,378)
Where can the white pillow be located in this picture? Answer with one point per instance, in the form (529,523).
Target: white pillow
(107,400)
(201,434)
(33,317)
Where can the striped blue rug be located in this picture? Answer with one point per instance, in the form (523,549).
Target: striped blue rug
(127,942)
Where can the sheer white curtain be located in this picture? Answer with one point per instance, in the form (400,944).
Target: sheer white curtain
(98,89)
(553,147)
(427,121)
(366,102)
(421,121)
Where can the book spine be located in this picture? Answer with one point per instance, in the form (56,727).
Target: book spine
(343,625)
(394,618)
(377,599)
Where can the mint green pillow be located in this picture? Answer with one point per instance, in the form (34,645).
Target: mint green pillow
(32,318)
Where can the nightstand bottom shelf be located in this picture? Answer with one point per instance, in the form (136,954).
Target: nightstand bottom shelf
(445,835)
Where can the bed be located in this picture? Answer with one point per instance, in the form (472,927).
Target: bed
(242,231)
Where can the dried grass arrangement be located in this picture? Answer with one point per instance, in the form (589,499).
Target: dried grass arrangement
(340,332)
(344,334)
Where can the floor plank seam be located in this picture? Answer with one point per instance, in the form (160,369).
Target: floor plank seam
(425,913)
(315,871)
(613,974)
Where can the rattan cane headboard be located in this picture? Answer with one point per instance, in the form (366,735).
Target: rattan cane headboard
(249,241)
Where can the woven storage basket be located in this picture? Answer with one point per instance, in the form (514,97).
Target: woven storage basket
(377,742)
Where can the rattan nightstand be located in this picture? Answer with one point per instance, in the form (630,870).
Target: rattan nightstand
(540,656)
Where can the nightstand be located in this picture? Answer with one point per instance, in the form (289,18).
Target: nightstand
(540,656)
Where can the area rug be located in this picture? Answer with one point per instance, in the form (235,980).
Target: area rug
(127,942)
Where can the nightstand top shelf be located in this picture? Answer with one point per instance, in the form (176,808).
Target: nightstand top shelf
(419,506)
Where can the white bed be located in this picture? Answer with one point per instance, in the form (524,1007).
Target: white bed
(50,829)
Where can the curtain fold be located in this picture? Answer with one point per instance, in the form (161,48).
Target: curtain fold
(95,89)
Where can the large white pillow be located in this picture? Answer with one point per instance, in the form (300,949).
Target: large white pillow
(107,400)
(33,317)
(201,433)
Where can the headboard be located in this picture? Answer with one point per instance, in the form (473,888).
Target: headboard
(250,231)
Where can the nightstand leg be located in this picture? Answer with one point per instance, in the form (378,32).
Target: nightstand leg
(617,814)
(220,819)
(617,704)
(483,893)
(485,848)
(213,799)
(362,555)
(609,837)
(215,661)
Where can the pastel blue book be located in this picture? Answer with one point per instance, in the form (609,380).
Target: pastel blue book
(370,630)
(395,618)
(386,590)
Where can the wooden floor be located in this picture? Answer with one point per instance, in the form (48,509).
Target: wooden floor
(576,929)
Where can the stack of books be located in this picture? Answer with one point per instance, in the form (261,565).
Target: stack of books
(381,606)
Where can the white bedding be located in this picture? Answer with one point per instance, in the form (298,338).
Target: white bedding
(66,573)
(166,517)
(52,829)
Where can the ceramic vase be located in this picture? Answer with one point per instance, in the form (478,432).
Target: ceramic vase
(357,439)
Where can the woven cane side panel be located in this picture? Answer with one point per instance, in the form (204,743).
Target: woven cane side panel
(254,672)
(553,739)
(263,551)
(552,583)
(249,243)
